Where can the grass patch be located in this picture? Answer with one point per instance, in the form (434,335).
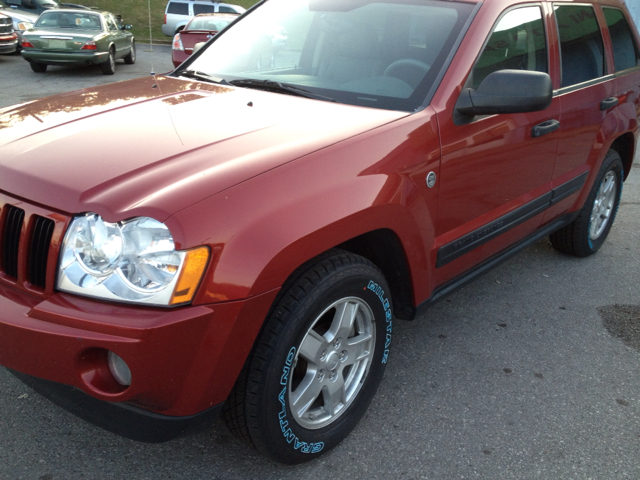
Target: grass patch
(136,13)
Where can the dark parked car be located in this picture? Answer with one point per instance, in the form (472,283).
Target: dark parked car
(240,237)
(22,21)
(39,6)
(8,38)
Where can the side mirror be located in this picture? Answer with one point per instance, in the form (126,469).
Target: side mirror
(126,27)
(507,91)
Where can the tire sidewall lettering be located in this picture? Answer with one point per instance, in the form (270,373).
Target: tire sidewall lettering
(287,433)
(379,292)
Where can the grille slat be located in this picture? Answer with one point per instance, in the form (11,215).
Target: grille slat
(39,252)
(11,241)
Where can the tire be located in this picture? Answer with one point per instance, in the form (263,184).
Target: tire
(131,58)
(38,67)
(109,67)
(307,382)
(587,233)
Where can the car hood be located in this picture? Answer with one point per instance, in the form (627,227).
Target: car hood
(156,145)
(20,16)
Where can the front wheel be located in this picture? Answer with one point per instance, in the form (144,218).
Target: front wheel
(587,233)
(317,363)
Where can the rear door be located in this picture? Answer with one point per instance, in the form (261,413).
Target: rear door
(495,174)
(586,96)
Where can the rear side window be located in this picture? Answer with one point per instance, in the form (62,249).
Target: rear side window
(625,49)
(198,9)
(581,45)
(178,8)
(226,10)
(517,43)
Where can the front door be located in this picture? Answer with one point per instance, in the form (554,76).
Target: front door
(495,172)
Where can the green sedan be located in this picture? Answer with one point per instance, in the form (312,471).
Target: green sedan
(78,37)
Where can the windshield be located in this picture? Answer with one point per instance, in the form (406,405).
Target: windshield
(75,20)
(382,54)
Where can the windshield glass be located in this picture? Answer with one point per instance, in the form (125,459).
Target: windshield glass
(76,20)
(382,54)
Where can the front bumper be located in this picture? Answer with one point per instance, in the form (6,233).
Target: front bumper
(183,361)
(62,58)
(119,418)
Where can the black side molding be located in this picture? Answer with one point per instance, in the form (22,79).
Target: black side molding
(569,188)
(484,267)
(453,250)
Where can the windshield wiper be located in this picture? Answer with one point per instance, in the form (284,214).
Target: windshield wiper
(205,77)
(271,86)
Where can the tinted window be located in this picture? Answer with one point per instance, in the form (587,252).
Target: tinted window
(625,50)
(518,42)
(226,10)
(178,8)
(580,44)
(198,9)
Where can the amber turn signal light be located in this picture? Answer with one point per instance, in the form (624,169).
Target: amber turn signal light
(195,263)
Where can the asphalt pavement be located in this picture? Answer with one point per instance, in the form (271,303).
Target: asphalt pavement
(530,372)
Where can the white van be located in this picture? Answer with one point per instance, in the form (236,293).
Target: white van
(179,12)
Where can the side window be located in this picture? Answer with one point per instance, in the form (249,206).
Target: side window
(222,9)
(111,23)
(178,8)
(199,8)
(625,49)
(581,45)
(518,42)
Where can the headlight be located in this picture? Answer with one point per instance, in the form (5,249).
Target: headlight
(133,261)
(22,26)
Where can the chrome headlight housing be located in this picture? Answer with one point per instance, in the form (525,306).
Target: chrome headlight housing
(132,261)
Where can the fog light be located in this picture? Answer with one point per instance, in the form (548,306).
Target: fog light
(119,369)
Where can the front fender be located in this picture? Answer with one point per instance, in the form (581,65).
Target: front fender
(261,230)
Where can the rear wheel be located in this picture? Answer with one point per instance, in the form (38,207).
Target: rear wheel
(587,233)
(131,58)
(38,67)
(109,67)
(317,363)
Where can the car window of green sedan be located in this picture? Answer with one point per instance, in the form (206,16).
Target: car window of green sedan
(111,23)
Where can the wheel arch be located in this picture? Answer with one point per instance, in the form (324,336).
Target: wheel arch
(384,249)
(625,146)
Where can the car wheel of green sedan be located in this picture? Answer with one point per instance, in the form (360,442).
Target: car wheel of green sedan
(109,67)
(38,67)
(131,58)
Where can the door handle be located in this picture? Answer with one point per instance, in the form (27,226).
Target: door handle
(544,128)
(608,103)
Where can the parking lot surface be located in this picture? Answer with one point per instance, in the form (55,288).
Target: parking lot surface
(529,372)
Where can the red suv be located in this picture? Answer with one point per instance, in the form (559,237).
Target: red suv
(241,233)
